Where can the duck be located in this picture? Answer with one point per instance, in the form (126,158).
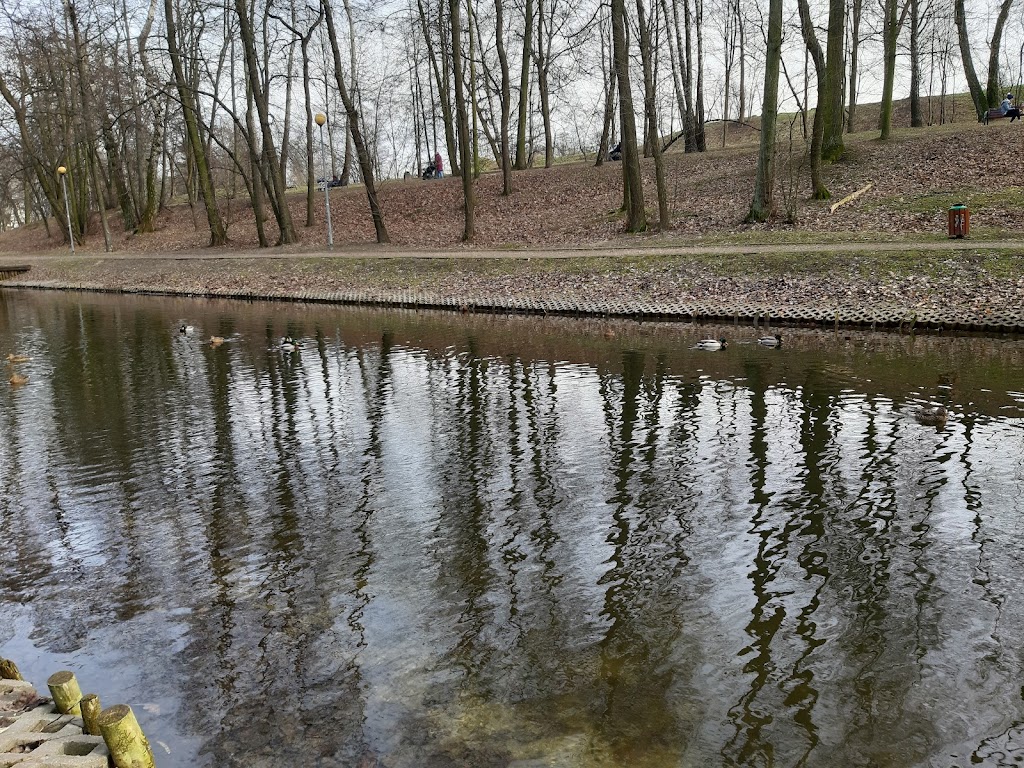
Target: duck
(18,380)
(712,344)
(931,416)
(186,329)
(15,359)
(216,341)
(770,341)
(288,344)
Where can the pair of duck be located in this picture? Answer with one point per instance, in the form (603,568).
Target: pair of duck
(187,330)
(714,344)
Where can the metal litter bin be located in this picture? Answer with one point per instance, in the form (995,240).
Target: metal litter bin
(959,221)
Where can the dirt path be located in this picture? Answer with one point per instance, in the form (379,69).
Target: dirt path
(391,252)
(948,284)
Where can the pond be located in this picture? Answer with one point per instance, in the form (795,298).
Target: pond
(426,539)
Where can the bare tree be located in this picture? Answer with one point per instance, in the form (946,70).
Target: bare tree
(651,112)
(186,97)
(365,163)
(465,150)
(764,184)
(632,181)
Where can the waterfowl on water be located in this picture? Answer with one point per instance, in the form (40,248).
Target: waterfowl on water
(288,344)
(712,344)
(931,417)
(216,341)
(770,341)
(17,380)
(15,359)
(186,329)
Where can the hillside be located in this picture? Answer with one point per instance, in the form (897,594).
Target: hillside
(914,179)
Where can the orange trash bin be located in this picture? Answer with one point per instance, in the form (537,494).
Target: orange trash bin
(959,221)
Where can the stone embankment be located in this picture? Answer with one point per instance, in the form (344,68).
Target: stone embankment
(33,734)
(68,730)
(939,287)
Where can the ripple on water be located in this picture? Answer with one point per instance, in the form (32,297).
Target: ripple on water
(405,545)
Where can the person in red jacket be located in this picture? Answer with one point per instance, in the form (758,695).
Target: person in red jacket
(438,166)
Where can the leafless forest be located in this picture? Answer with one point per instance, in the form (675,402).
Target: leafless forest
(112,112)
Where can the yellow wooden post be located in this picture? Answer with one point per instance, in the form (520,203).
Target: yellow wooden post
(67,696)
(9,670)
(90,714)
(128,745)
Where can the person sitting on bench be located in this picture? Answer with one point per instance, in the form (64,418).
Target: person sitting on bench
(1007,108)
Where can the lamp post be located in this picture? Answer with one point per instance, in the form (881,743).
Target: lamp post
(321,119)
(62,172)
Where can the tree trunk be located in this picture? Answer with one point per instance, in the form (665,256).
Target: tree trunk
(764,184)
(819,190)
(651,111)
(891,23)
(543,49)
(443,90)
(257,185)
(609,103)
(700,139)
(365,165)
(506,98)
(522,159)
(310,172)
(916,115)
(978,96)
(88,117)
(462,110)
(147,218)
(276,186)
(218,234)
(474,112)
(286,129)
(994,91)
(633,190)
(854,49)
(346,173)
(835,75)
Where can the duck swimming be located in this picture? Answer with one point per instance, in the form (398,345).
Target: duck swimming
(15,359)
(288,344)
(770,341)
(931,417)
(186,329)
(216,341)
(18,380)
(712,344)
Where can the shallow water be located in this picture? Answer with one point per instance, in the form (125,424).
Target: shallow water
(435,540)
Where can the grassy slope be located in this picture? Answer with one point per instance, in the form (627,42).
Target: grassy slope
(914,179)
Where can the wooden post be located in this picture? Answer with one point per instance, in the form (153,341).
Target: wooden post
(90,714)
(124,738)
(67,696)
(9,670)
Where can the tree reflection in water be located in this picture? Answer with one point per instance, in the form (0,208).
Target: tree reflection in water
(426,540)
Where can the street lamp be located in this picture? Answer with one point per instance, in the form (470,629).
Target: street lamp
(321,119)
(62,172)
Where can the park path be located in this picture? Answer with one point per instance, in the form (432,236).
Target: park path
(612,251)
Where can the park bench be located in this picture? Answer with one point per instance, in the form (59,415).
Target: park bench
(993,114)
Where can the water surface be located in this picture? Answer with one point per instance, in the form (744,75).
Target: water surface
(433,540)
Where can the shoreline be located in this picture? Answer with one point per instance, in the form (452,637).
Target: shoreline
(960,285)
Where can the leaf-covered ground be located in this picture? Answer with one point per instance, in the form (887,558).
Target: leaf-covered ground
(914,178)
